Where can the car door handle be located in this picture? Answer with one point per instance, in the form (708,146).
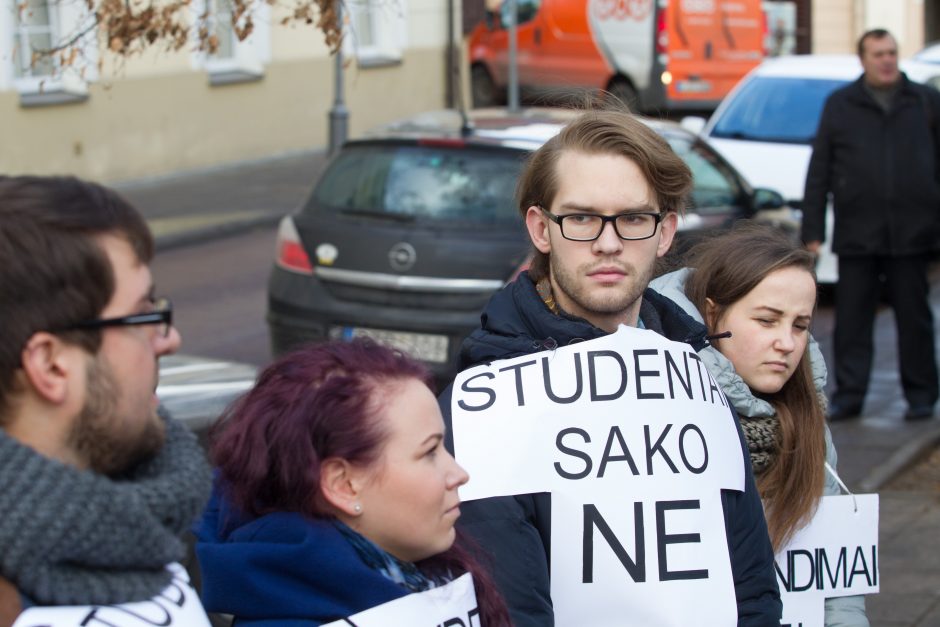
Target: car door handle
(537,36)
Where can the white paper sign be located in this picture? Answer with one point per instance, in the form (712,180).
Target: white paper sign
(453,605)
(835,555)
(635,441)
(177,605)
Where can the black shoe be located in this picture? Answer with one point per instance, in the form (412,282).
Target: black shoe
(839,412)
(919,412)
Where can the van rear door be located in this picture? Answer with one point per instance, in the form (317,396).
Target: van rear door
(712,44)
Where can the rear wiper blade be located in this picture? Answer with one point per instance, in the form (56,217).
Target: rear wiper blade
(381,215)
(781,139)
(734,135)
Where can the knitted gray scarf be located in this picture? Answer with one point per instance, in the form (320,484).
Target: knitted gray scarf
(71,537)
(762,436)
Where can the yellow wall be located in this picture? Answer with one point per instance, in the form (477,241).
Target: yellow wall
(163,122)
(837,24)
(834,26)
(905,20)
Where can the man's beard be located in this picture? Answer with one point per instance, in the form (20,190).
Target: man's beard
(612,301)
(110,443)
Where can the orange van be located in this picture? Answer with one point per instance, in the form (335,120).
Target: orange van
(652,54)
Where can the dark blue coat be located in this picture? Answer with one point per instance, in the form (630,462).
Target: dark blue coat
(516,530)
(283,570)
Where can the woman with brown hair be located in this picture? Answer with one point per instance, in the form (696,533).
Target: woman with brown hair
(760,287)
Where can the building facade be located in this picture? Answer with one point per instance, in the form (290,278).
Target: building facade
(833,26)
(95,114)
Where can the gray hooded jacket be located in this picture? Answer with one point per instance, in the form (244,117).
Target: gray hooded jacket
(840,611)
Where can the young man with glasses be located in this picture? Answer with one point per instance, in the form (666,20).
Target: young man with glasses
(96,486)
(601,203)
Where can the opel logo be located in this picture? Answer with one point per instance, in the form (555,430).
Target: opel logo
(402,256)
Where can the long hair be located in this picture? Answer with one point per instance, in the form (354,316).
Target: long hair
(726,269)
(318,402)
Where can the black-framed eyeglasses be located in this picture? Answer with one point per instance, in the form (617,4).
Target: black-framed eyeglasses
(162,314)
(587,227)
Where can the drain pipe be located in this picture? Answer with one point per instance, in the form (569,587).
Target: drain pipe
(512,99)
(339,114)
(450,93)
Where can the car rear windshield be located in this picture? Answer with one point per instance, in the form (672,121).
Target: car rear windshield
(771,109)
(408,183)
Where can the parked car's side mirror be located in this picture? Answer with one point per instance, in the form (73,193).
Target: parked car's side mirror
(693,123)
(764,199)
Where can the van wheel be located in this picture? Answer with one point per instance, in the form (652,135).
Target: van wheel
(622,91)
(483,90)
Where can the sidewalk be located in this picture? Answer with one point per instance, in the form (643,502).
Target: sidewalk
(190,207)
(195,206)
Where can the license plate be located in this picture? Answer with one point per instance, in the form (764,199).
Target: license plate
(690,87)
(423,346)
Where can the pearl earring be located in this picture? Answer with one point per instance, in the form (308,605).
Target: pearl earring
(357,508)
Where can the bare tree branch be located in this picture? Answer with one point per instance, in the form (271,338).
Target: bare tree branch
(130,27)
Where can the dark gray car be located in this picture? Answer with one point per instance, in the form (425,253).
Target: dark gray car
(410,230)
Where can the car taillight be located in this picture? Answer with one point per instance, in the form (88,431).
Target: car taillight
(290,250)
(662,34)
(443,142)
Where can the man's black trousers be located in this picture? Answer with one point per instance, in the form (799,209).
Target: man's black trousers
(857,298)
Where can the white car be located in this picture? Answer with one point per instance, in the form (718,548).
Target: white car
(930,53)
(766,125)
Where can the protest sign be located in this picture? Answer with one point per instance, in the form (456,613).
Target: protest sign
(177,605)
(835,555)
(450,605)
(635,441)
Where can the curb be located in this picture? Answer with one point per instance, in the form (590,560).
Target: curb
(200,171)
(902,459)
(212,232)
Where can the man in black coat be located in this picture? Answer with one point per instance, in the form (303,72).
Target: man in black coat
(875,151)
(601,202)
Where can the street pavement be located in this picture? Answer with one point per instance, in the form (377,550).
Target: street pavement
(190,207)
(875,451)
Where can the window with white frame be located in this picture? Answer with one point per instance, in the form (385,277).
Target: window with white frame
(35,30)
(219,22)
(234,61)
(35,37)
(376,31)
(363,24)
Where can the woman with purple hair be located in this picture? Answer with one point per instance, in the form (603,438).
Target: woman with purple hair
(334,493)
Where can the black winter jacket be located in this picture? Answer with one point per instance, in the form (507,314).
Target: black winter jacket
(515,531)
(882,170)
